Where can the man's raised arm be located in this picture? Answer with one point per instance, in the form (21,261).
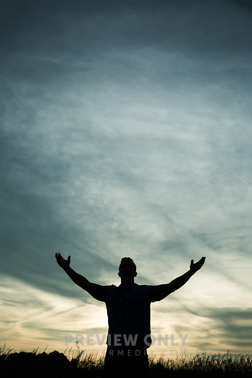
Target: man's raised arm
(91,288)
(163,290)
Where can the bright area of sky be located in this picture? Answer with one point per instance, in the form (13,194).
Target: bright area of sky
(126,131)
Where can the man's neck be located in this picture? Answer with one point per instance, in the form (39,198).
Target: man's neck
(126,284)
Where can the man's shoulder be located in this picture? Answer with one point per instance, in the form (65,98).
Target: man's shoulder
(144,286)
(114,288)
(143,290)
(108,287)
(105,291)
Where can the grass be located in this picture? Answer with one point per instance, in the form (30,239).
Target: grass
(203,365)
(78,364)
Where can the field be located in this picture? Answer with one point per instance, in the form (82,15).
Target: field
(78,364)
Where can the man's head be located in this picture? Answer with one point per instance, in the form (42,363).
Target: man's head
(127,268)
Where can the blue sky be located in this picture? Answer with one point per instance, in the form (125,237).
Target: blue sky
(126,131)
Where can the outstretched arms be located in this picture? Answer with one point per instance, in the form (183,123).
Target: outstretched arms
(91,288)
(163,290)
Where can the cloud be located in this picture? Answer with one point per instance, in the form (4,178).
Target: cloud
(71,28)
(233,325)
(243,4)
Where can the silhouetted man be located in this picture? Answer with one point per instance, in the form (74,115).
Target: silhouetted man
(128,309)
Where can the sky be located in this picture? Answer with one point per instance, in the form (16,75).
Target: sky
(126,131)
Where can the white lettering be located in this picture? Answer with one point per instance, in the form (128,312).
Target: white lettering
(117,340)
(147,340)
(172,341)
(102,340)
(68,339)
(183,339)
(79,339)
(129,340)
(90,341)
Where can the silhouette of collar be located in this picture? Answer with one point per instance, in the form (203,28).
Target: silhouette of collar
(130,288)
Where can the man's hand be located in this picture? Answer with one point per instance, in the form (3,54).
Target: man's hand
(92,288)
(195,267)
(62,262)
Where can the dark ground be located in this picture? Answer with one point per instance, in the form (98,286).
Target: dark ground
(57,365)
